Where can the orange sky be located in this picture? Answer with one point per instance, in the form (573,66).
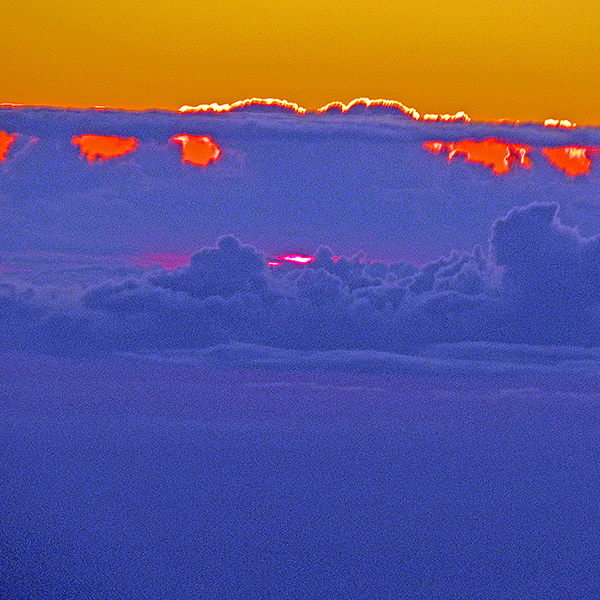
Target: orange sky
(511,59)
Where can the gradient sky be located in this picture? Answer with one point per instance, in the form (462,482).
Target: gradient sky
(515,59)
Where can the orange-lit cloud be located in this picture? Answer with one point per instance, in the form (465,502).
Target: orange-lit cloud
(104,146)
(490,153)
(6,139)
(573,160)
(197,149)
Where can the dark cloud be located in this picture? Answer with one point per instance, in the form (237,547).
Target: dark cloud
(551,276)
(228,269)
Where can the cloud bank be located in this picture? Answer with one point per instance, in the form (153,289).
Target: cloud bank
(536,287)
(311,191)
(281,181)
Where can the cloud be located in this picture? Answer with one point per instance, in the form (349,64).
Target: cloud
(551,279)
(222,271)
(283,182)
(102,147)
(451,360)
(536,290)
(197,150)
(304,180)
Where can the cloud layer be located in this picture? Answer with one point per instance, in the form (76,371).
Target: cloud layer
(538,285)
(282,182)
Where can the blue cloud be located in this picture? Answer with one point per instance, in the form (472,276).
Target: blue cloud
(538,285)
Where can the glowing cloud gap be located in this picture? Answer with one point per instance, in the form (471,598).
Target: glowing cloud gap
(296,258)
(102,147)
(490,152)
(6,139)
(573,160)
(196,149)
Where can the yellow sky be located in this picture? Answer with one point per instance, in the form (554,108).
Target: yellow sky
(516,59)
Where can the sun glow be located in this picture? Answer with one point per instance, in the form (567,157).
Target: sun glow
(294,107)
(167,260)
(446,118)
(197,149)
(368,103)
(102,147)
(490,152)
(6,139)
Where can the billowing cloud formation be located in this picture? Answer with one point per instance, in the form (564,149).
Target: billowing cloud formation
(228,269)
(539,284)
(551,279)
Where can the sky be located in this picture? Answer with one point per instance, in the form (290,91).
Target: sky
(515,60)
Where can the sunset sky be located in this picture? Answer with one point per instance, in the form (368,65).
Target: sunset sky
(515,60)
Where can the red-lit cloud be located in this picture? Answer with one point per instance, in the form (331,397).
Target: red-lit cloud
(573,160)
(6,139)
(490,153)
(104,146)
(197,149)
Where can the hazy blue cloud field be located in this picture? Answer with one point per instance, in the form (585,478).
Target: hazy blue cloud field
(412,414)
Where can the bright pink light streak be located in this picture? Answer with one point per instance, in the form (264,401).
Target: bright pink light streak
(297,258)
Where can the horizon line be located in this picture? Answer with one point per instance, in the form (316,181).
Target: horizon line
(215,108)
